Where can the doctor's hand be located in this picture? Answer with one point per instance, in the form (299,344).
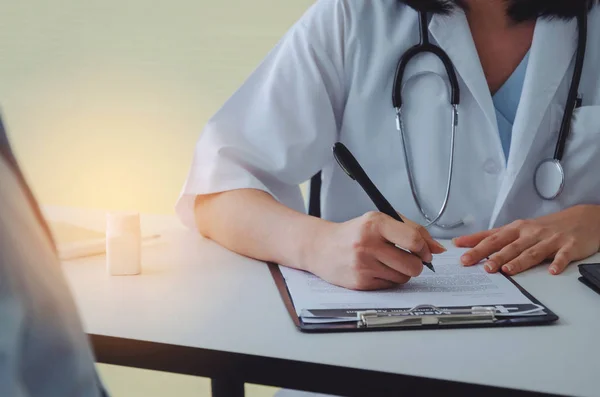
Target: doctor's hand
(564,237)
(361,254)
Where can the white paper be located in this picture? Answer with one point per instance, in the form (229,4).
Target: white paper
(451,286)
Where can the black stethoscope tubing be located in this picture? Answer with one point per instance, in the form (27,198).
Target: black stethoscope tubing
(549,171)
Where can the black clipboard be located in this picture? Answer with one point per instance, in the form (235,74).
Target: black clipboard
(534,320)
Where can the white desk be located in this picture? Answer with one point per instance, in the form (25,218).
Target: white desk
(196,294)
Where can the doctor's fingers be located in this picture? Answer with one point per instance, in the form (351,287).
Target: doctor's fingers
(399,260)
(490,245)
(513,251)
(405,236)
(434,246)
(472,240)
(563,258)
(523,254)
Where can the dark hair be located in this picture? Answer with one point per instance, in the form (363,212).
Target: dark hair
(518,10)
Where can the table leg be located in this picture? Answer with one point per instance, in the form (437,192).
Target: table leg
(227,388)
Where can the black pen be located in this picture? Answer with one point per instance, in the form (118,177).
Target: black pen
(351,167)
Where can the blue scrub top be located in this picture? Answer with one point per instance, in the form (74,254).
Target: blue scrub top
(506,102)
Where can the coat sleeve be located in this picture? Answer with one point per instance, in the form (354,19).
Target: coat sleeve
(277,129)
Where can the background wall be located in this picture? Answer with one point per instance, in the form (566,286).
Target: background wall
(105,99)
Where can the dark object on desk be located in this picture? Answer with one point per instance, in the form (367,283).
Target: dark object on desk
(351,167)
(590,275)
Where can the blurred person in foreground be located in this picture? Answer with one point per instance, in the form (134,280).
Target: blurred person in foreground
(43,348)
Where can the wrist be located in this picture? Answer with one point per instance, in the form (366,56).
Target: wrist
(307,240)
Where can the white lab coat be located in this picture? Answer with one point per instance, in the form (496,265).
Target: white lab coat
(330,79)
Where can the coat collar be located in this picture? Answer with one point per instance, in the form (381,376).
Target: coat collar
(453,35)
(551,57)
(552,53)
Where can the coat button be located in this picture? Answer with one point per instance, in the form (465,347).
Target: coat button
(491,167)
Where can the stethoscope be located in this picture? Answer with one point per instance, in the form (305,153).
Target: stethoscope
(549,176)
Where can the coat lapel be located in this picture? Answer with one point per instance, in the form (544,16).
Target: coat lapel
(453,35)
(552,52)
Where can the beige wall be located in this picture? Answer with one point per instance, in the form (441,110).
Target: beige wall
(104,99)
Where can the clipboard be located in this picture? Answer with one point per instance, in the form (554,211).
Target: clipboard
(424,317)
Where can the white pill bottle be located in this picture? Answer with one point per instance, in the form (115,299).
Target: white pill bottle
(123,244)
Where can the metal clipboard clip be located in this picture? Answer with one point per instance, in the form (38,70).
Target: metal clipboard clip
(427,315)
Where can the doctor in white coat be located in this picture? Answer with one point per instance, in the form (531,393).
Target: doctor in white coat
(330,80)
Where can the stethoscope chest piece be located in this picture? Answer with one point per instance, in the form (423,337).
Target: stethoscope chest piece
(549,179)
